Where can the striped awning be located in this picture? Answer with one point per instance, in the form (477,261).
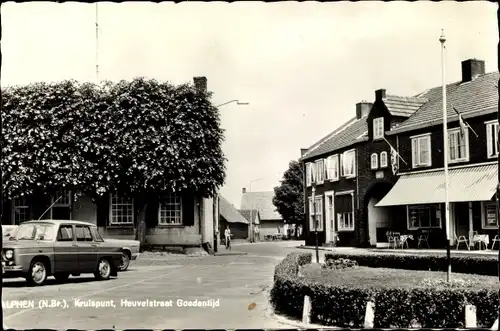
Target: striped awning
(475,183)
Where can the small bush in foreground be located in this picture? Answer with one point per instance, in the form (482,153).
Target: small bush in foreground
(339,297)
(481,265)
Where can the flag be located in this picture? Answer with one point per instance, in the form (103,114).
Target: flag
(394,160)
(463,126)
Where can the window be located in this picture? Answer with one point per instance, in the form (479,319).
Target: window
(424,216)
(374,161)
(96,234)
(319,214)
(83,233)
(170,211)
(378,128)
(421,151)
(383,160)
(62,199)
(20,210)
(345,221)
(492,138)
(320,171)
(348,162)
(332,167)
(121,211)
(458,146)
(489,215)
(65,233)
(308,174)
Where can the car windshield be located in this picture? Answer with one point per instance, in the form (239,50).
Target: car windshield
(35,231)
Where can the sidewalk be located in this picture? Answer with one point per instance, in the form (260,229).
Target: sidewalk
(354,250)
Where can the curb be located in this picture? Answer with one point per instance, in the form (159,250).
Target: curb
(229,253)
(285,321)
(312,248)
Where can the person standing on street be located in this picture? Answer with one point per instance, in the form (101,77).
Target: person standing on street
(257,233)
(227,236)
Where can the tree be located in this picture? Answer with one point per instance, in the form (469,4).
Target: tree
(141,138)
(289,196)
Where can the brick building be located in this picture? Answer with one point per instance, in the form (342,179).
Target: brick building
(391,190)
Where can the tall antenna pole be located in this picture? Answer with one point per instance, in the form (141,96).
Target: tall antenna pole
(96,43)
(442,40)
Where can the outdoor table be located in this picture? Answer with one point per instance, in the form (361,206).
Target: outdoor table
(404,240)
(481,239)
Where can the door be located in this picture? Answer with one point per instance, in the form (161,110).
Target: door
(329,217)
(65,250)
(88,250)
(460,219)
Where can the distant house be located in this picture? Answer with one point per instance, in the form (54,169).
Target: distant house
(270,220)
(229,215)
(252,215)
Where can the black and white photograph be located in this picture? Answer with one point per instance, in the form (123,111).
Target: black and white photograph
(250,165)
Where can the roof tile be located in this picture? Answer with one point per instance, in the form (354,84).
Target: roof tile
(230,213)
(263,202)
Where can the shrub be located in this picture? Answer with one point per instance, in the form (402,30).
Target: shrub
(481,265)
(342,303)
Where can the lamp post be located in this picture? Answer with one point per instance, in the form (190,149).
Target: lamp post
(315,221)
(252,239)
(215,205)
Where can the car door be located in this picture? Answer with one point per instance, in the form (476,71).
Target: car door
(65,250)
(88,250)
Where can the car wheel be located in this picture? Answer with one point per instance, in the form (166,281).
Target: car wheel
(61,276)
(37,274)
(125,262)
(103,270)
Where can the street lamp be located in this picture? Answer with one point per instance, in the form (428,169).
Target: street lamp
(216,196)
(315,220)
(252,238)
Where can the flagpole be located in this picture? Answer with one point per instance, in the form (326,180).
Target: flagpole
(442,39)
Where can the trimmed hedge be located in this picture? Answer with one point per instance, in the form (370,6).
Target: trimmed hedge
(341,306)
(480,265)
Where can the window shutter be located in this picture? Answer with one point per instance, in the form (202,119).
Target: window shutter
(341,164)
(103,211)
(327,167)
(489,140)
(414,151)
(308,174)
(188,209)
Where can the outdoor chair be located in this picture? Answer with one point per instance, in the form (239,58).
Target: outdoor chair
(423,237)
(496,239)
(473,239)
(391,239)
(461,239)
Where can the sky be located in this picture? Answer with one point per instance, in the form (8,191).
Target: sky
(302,67)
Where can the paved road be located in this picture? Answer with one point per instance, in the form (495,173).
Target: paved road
(235,281)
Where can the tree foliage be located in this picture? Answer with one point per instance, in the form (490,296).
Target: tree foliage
(289,196)
(136,137)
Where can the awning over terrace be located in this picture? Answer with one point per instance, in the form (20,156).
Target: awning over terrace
(475,183)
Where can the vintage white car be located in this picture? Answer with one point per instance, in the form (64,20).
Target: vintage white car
(129,248)
(130,251)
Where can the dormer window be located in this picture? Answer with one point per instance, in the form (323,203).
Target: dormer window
(378,128)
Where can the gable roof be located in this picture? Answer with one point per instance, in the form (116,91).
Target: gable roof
(249,214)
(263,203)
(230,213)
(479,96)
(403,106)
(351,132)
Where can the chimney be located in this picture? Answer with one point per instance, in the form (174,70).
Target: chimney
(363,109)
(471,69)
(380,94)
(303,151)
(200,83)
(243,191)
